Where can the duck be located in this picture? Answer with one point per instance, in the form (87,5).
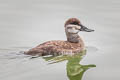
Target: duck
(73,45)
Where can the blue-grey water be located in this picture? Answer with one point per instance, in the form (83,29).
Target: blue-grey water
(27,23)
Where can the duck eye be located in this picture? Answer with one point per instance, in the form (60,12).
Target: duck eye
(75,23)
(69,27)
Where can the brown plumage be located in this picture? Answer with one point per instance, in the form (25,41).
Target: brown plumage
(73,45)
(56,48)
(72,21)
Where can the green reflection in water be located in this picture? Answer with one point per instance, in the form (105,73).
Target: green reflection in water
(74,69)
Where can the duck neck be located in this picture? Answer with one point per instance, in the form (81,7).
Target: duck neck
(74,38)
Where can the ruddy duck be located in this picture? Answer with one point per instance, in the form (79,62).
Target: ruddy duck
(73,45)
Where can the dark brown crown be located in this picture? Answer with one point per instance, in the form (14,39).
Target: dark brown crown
(74,21)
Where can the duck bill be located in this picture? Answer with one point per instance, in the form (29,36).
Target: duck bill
(83,28)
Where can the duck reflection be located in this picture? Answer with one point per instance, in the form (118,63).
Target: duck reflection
(75,70)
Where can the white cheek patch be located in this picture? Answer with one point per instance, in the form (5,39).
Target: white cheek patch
(78,27)
(73,30)
(70,25)
(73,26)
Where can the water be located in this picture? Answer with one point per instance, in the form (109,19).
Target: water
(27,23)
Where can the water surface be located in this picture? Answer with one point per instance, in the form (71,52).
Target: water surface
(27,23)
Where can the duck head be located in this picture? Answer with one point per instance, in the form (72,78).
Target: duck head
(73,26)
